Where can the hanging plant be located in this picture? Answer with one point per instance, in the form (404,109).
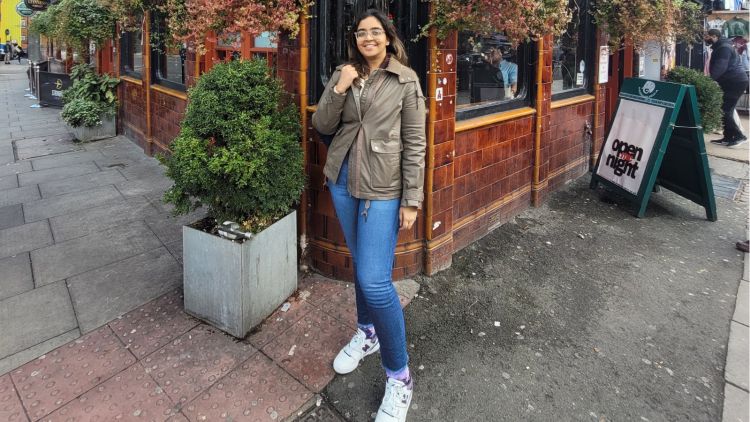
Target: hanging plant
(520,20)
(639,21)
(45,23)
(128,14)
(194,19)
(81,21)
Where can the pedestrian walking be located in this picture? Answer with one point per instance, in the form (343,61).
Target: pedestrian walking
(8,51)
(17,51)
(375,108)
(726,68)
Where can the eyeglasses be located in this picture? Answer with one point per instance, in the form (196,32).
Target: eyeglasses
(374,33)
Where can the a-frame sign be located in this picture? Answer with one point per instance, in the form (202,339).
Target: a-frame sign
(656,138)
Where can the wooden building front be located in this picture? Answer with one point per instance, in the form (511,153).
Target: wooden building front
(502,134)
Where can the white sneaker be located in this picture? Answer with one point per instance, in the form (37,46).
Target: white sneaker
(350,355)
(395,403)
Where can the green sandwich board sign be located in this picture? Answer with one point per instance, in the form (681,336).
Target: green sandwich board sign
(656,138)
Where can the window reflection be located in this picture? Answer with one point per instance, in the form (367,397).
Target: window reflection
(488,70)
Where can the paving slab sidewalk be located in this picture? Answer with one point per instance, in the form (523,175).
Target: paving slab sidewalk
(72,217)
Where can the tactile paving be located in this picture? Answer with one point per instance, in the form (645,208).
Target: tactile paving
(11,409)
(63,374)
(128,396)
(178,418)
(307,349)
(341,303)
(154,324)
(279,322)
(318,290)
(194,361)
(258,390)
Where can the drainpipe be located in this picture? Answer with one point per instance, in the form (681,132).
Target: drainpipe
(538,132)
(303,100)
(147,81)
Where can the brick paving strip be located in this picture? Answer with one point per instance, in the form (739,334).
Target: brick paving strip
(158,363)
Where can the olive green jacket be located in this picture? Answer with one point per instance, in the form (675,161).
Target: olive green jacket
(384,135)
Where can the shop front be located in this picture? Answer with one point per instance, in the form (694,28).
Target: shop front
(507,124)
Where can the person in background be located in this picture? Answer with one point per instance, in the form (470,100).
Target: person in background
(17,51)
(8,51)
(727,70)
(508,71)
(374,168)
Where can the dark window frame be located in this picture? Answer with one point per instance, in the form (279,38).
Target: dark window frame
(325,56)
(587,33)
(127,42)
(159,56)
(526,65)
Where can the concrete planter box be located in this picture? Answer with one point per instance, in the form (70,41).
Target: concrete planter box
(103,131)
(235,286)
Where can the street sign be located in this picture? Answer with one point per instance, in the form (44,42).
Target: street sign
(24,10)
(656,138)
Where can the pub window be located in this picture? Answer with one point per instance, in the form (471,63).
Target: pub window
(492,75)
(168,59)
(572,55)
(228,46)
(332,21)
(264,46)
(131,52)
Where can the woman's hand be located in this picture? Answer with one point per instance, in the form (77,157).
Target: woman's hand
(348,75)
(406,217)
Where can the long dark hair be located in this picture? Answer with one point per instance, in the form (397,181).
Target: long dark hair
(396,47)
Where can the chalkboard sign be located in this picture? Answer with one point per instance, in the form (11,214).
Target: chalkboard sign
(656,138)
(51,86)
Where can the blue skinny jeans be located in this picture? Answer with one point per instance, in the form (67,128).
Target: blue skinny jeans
(371,237)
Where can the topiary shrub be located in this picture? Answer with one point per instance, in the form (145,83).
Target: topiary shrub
(238,151)
(709,95)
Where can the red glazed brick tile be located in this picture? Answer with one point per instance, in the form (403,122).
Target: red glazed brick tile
(307,349)
(11,409)
(154,324)
(193,362)
(54,379)
(258,390)
(129,395)
(279,322)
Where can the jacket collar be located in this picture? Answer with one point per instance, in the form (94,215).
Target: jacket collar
(394,66)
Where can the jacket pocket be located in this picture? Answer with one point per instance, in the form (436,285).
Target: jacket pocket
(385,163)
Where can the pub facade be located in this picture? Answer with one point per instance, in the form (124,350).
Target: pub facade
(507,125)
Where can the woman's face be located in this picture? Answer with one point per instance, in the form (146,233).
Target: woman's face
(371,38)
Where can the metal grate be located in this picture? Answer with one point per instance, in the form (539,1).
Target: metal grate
(323,413)
(727,187)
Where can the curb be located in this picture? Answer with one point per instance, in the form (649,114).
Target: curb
(736,395)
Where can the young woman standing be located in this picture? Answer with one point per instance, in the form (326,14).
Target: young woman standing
(375,171)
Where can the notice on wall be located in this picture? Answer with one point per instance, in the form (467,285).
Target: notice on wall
(603,64)
(629,145)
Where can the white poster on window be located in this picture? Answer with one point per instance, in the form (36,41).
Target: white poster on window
(628,147)
(603,64)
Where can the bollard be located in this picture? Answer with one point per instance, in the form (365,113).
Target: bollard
(36,86)
(31,84)
(32,81)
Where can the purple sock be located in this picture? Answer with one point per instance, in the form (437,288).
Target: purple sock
(369,331)
(402,375)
